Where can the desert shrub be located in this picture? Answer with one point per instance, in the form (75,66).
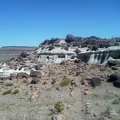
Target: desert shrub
(9,91)
(15,91)
(58,108)
(65,82)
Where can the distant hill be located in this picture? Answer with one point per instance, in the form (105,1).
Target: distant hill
(7,52)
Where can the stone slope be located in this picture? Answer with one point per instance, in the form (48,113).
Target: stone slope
(82,101)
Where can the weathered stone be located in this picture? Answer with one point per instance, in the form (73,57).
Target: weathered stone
(113,77)
(114,68)
(24,54)
(95,81)
(35,73)
(117,83)
(53,81)
(112,63)
(35,80)
(22,75)
(38,66)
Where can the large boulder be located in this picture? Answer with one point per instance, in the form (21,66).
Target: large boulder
(113,77)
(35,73)
(22,75)
(95,47)
(69,38)
(117,83)
(24,54)
(112,63)
(95,81)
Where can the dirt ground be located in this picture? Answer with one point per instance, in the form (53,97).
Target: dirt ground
(81,101)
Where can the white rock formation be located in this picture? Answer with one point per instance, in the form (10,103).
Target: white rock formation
(58,54)
(5,71)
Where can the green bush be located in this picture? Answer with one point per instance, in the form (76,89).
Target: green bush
(15,91)
(58,108)
(65,82)
(9,91)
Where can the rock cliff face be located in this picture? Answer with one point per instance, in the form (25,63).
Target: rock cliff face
(101,56)
(90,50)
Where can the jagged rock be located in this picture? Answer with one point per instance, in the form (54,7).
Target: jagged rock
(24,54)
(77,51)
(77,61)
(95,47)
(112,63)
(95,81)
(51,48)
(114,68)
(53,81)
(35,80)
(35,73)
(22,75)
(113,77)
(38,66)
(117,83)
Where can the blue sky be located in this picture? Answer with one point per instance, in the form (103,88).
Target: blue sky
(30,22)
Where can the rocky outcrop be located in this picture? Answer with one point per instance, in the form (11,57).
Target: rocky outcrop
(115,78)
(101,56)
(35,73)
(90,49)
(95,81)
(22,75)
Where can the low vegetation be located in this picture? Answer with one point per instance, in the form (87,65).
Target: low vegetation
(8,91)
(15,91)
(11,91)
(58,108)
(65,82)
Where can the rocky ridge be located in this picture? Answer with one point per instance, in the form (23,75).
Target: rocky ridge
(90,50)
